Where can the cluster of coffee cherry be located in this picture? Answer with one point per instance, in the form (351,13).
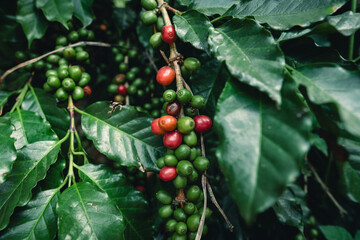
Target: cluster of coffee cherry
(65,77)
(181,129)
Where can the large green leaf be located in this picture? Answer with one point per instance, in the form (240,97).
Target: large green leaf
(130,202)
(351,181)
(353,148)
(37,220)
(30,128)
(85,212)
(30,167)
(333,93)
(250,53)
(44,104)
(212,7)
(261,147)
(57,10)
(284,14)
(123,18)
(335,233)
(347,23)
(8,151)
(32,21)
(193,27)
(209,82)
(124,136)
(83,11)
(55,175)
(288,210)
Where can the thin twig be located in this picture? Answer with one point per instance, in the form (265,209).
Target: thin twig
(164,57)
(82,43)
(171,9)
(202,219)
(213,199)
(151,61)
(326,190)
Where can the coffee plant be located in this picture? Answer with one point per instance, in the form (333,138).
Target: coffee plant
(179,119)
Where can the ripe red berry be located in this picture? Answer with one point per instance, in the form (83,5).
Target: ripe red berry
(140,188)
(202,123)
(168,34)
(121,89)
(167,123)
(155,128)
(87,90)
(172,139)
(165,75)
(168,173)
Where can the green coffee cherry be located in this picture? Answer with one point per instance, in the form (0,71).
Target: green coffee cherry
(184,168)
(190,139)
(184,95)
(180,182)
(149,4)
(53,81)
(165,211)
(160,162)
(208,212)
(182,152)
(112,88)
(82,56)
(155,40)
(181,228)
(180,215)
(148,18)
(61,40)
(84,80)
(73,36)
(170,225)
(189,208)
(61,94)
(193,222)
(201,163)
(193,154)
(197,101)
(193,193)
(68,84)
(69,53)
(51,72)
(53,58)
(47,88)
(75,73)
(186,125)
(192,64)
(78,93)
(163,197)
(169,95)
(160,23)
(194,176)
(170,160)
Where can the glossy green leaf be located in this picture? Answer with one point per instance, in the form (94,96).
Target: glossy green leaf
(4,96)
(335,233)
(85,212)
(44,104)
(32,20)
(130,202)
(321,28)
(353,148)
(193,27)
(184,2)
(209,82)
(288,210)
(212,7)
(30,167)
(261,147)
(57,10)
(284,14)
(83,11)
(346,23)
(124,136)
(351,181)
(8,151)
(30,128)
(55,175)
(37,220)
(332,92)
(251,55)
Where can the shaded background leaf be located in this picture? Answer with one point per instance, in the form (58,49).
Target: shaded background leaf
(57,10)
(8,151)
(37,220)
(83,11)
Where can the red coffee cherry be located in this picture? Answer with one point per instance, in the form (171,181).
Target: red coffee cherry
(172,139)
(168,34)
(87,90)
(168,173)
(155,128)
(167,123)
(121,89)
(140,188)
(202,123)
(173,108)
(165,75)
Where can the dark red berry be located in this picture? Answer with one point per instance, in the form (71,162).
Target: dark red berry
(121,89)
(172,139)
(155,128)
(173,108)
(168,173)
(168,34)
(165,75)
(202,123)
(87,90)
(140,188)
